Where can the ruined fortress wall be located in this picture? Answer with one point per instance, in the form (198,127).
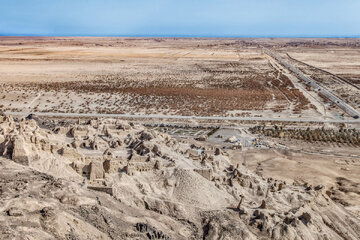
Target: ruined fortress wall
(206,173)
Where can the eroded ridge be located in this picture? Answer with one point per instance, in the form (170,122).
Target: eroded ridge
(110,179)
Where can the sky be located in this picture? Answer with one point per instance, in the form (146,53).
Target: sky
(198,18)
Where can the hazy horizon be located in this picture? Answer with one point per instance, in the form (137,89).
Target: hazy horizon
(179,36)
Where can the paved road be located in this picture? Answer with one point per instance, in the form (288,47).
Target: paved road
(338,77)
(326,93)
(179,117)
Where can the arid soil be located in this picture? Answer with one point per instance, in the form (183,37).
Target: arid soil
(232,172)
(203,77)
(109,179)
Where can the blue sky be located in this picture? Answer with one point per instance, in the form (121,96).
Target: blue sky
(302,18)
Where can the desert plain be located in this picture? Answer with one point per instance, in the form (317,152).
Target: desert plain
(179,138)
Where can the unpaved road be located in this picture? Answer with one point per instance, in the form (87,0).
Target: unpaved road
(153,116)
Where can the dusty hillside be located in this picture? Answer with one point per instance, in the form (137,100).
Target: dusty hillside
(107,179)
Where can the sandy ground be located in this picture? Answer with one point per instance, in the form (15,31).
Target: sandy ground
(204,77)
(110,179)
(341,61)
(103,178)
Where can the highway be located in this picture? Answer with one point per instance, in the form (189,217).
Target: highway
(180,117)
(319,69)
(344,106)
(326,93)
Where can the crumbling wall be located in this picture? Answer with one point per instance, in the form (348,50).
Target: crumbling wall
(70,153)
(96,170)
(113,165)
(206,173)
(20,153)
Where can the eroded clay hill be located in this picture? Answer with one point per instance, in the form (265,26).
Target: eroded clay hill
(107,179)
